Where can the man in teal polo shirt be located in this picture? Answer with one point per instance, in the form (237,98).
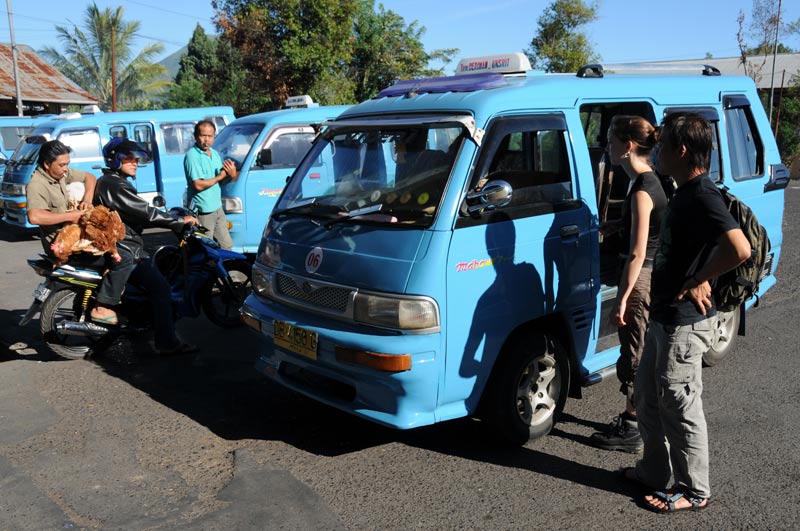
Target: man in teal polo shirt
(205,170)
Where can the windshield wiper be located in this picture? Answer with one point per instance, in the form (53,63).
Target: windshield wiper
(353,213)
(309,209)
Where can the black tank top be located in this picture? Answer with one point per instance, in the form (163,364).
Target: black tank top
(650,183)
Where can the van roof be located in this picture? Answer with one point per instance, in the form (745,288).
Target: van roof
(537,91)
(160,115)
(296,115)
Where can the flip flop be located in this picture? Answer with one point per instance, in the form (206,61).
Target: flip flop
(670,500)
(110,320)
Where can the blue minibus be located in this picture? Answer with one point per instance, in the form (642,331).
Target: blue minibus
(452,266)
(165,134)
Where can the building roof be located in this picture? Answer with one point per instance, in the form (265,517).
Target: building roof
(787,65)
(39,81)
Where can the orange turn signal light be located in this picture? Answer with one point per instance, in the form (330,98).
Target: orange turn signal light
(230,225)
(374,360)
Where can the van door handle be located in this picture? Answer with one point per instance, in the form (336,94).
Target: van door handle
(569,231)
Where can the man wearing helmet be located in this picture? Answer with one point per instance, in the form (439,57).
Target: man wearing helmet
(205,170)
(113,190)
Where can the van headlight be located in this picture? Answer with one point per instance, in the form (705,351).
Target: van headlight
(262,282)
(407,313)
(232,205)
(14,189)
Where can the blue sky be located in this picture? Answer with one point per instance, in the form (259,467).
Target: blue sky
(627,30)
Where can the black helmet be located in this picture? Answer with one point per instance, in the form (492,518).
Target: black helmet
(120,147)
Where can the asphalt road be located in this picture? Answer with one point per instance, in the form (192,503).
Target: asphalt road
(132,442)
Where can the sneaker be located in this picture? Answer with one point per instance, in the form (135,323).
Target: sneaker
(621,434)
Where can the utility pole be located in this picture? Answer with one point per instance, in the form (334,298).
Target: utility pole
(774,55)
(113,74)
(14,58)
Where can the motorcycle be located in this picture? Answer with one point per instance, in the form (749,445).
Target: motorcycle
(202,277)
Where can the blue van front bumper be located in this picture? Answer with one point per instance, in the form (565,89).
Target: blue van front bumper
(15,210)
(402,400)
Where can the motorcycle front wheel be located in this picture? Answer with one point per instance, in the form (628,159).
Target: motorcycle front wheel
(222,302)
(60,306)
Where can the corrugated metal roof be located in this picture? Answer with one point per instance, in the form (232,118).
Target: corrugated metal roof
(39,81)
(786,66)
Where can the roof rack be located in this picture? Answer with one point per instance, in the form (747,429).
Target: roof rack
(598,70)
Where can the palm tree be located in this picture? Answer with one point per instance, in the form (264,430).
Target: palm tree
(88,52)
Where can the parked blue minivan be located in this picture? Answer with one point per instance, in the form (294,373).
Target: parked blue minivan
(166,134)
(266,147)
(453,265)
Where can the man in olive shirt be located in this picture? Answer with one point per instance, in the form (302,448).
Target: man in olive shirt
(48,207)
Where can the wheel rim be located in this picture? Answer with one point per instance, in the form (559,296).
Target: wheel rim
(67,310)
(725,330)
(538,390)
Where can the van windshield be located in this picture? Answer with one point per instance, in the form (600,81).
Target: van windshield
(27,152)
(235,141)
(382,174)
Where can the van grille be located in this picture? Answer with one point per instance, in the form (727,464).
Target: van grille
(332,298)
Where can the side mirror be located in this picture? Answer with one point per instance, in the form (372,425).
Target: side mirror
(264,157)
(778,177)
(494,194)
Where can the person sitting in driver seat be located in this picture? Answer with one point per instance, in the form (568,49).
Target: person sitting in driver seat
(114,191)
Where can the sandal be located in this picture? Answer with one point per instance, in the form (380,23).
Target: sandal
(697,503)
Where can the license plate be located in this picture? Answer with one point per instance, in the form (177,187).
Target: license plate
(41,292)
(296,339)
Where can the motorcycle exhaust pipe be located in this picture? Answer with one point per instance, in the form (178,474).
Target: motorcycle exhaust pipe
(86,328)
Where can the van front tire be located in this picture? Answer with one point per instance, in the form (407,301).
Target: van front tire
(527,390)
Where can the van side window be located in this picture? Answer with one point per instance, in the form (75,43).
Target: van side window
(288,149)
(12,135)
(744,144)
(143,134)
(85,144)
(178,137)
(712,115)
(118,131)
(529,153)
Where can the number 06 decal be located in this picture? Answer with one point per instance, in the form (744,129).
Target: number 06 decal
(314,259)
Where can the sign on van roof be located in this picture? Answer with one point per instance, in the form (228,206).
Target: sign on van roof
(507,63)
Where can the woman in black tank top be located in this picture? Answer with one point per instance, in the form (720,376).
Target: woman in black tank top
(630,142)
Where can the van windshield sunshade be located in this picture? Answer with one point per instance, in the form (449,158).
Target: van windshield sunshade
(462,83)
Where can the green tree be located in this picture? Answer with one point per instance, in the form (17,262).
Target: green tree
(86,58)
(385,50)
(291,46)
(559,45)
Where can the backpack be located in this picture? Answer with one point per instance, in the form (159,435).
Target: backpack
(738,285)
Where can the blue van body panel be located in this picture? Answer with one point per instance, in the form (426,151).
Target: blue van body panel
(258,187)
(491,280)
(355,255)
(162,176)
